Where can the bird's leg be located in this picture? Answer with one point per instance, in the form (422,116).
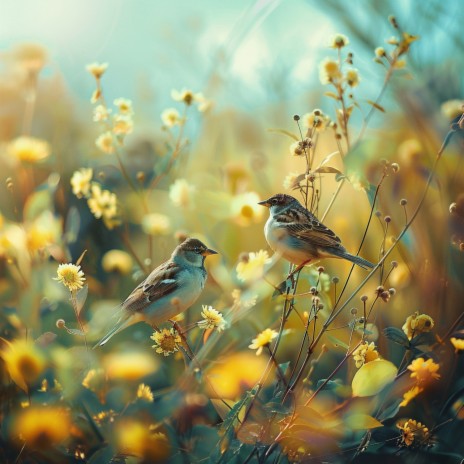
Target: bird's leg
(298,269)
(155,328)
(178,329)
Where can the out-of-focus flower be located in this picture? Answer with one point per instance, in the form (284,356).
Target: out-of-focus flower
(103,205)
(212,319)
(297,148)
(400,64)
(245,209)
(329,71)
(105,143)
(29,149)
(339,41)
(124,106)
(410,395)
(144,393)
(23,361)
(122,124)
(42,427)
(410,152)
(366,352)
(71,276)
(170,117)
(452,108)
(100,113)
(251,266)
(117,261)
(352,77)
(156,224)
(181,193)
(97,69)
(43,232)
(167,341)
(380,52)
(104,416)
(135,438)
(316,120)
(290,181)
(424,371)
(80,182)
(263,339)
(95,380)
(129,365)
(417,324)
(30,57)
(243,301)
(413,431)
(400,277)
(458,343)
(187,96)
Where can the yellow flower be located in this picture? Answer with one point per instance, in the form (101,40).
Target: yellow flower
(251,266)
(80,182)
(410,395)
(70,276)
(42,427)
(245,209)
(416,324)
(187,96)
(156,224)
(104,416)
(23,361)
(316,120)
(129,365)
(122,124)
(365,353)
(458,343)
(263,339)
(124,106)
(30,57)
(329,71)
(43,231)
(167,341)
(171,117)
(103,204)
(100,113)
(352,77)
(29,149)
(380,52)
(144,393)
(105,143)
(181,193)
(339,41)
(424,371)
(97,69)
(411,431)
(94,380)
(117,261)
(213,319)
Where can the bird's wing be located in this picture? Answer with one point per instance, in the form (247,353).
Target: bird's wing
(160,283)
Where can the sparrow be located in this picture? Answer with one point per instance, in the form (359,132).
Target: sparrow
(170,289)
(297,235)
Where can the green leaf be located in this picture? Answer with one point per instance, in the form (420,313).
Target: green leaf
(338,342)
(361,422)
(423,339)
(327,170)
(285,132)
(391,410)
(396,336)
(330,385)
(81,296)
(373,377)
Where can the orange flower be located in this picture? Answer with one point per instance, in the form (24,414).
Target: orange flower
(424,371)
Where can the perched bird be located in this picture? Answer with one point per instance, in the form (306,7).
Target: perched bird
(170,289)
(297,235)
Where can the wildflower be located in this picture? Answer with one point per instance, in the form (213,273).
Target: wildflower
(263,339)
(316,120)
(339,41)
(329,71)
(167,341)
(417,324)
(352,77)
(212,319)
(100,113)
(380,52)
(452,108)
(144,393)
(365,353)
(42,232)
(80,182)
(124,106)
(94,380)
(410,395)
(245,209)
(29,149)
(181,193)
(104,416)
(251,267)
(103,204)
(187,96)
(30,57)
(71,276)
(105,142)
(129,365)
(23,361)
(291,181)
(458,343)
(170,117)
(156,224)
(424,371)
(97,69)
(122,124)
(42,427)
(117,261)
(412,431)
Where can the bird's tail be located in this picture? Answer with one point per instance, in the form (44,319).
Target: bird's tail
(124,321)
(361,262)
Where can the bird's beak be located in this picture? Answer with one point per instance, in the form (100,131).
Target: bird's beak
(264,203)
(208,252)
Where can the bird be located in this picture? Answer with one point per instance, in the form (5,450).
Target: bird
(170,289)
(299,237)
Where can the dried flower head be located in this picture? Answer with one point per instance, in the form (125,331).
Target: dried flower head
(365,353)
(212,319)
(71,276)
(424,371)
(167,341)
(80,182)
(263,339)
(252,268)
(316,120)
(291,181)
(417,324)
(29,149)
